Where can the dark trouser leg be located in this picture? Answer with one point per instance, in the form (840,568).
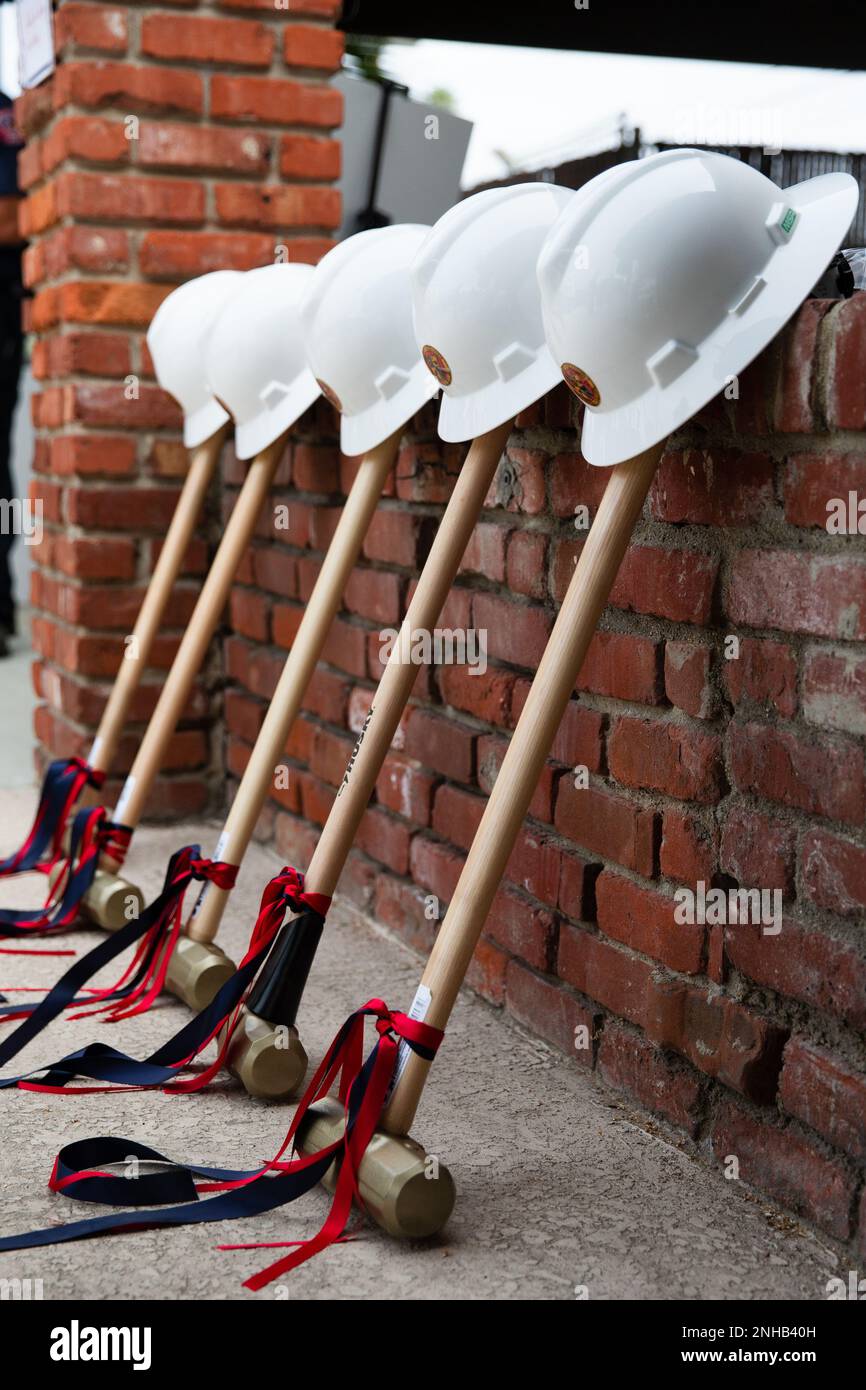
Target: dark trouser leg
(8,394)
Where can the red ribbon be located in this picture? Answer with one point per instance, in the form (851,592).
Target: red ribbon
(344,1059)
(82,774)
(158,944)
(100,836)
(286,889)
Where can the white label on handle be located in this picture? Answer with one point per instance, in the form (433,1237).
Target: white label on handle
(123,799)
(418,1011)
(94,751)
(222,845)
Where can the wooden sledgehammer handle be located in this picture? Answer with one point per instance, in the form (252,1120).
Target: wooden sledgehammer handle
(395,687)
(285,703)
(199,631)
(521,768)
(189,507)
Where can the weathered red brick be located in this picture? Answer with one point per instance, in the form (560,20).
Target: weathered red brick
(274,101)
(825,775)
(129,88)
(689,847)
(763,673)
(834,688)
(519,482)
(440,744)
(793,1170)
(551,1011)
(798,592)
(669,757)
(614,978)
(712,487)
(812,483)
(629,1062)
(720,1037)
(825,1094)
(643,918)
(675,584)
(834,872)
(687,678)
(795,405)
(623,665)
(309,157)
(203,39)
(516,633)
(803,962)
(488,696)
(846,403)
(406,788)
(182,254)
(312,46)
(101,27)
(394,538)
(756,849)
(607,824)
(526,564)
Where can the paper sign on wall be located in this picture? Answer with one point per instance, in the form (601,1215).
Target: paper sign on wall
(35,41)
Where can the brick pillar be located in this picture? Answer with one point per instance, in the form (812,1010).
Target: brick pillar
(166,144)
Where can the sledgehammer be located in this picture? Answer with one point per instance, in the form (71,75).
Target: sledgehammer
(392,1176)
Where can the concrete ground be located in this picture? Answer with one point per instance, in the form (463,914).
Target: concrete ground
(561,1191)
(16,703)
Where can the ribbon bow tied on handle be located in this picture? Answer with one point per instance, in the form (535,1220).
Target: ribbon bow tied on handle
(363,1085)
(153,933)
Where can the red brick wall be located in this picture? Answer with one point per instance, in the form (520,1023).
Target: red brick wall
(747,771)
(232,155)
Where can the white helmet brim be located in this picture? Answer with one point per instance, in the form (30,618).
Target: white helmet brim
(826,206)
(266,427)
(465,417)
(202,423)
(367,428)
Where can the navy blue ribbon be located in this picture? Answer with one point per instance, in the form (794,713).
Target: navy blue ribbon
(102,1063)
(63,783)
(92,833)
(184,867)
(78,1168)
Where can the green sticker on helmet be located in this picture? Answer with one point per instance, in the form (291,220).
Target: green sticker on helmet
(788,221)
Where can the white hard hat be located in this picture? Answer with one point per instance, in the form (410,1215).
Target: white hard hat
(666,276)
(175,340)
(357,316)
(477,307)
(255,361)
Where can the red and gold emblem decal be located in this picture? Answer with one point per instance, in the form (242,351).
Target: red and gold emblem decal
(436,364)
(582,385)
(330,395)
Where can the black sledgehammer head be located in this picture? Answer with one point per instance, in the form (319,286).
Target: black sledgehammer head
(266,1052)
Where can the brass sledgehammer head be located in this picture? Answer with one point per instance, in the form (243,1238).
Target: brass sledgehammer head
(270,1061)
(197,971)
(407,1192)
(110,901)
